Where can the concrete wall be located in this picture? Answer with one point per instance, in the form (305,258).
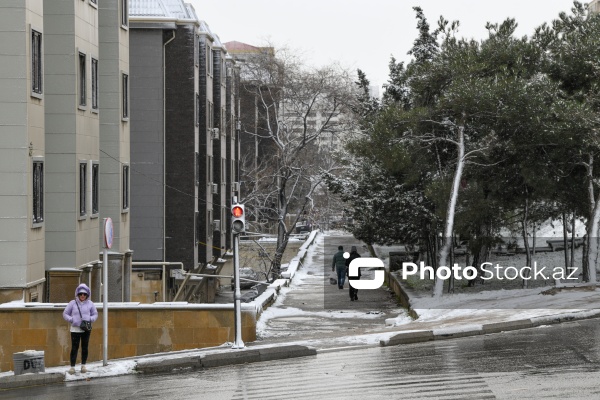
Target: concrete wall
(132,330)
(114,130)
(250,256)
(72,132)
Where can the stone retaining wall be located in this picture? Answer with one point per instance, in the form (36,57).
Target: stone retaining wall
(133,330)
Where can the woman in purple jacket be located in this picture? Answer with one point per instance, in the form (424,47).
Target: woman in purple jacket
(78,310)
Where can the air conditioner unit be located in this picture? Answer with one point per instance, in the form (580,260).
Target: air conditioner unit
(215,188)
(235,186)
(217,225)
(215,133)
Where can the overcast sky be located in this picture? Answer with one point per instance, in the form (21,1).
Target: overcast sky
(359,33)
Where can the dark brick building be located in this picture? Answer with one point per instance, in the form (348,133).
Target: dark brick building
(182,136)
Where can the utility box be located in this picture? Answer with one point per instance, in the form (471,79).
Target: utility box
(29,361)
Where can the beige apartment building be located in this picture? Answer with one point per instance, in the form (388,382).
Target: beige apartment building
(22,151)
(63,86)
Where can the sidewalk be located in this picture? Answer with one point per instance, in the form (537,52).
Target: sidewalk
(312,316)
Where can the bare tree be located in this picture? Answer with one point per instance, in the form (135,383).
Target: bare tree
(296,106)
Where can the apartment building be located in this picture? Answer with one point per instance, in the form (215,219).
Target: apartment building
(22,151)
(180,128)
(53,117)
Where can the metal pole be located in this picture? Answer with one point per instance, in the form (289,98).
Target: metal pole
(237,296)
(105,307)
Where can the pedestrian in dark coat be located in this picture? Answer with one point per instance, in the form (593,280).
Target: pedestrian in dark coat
(339,265)
(78,310)
(353,255)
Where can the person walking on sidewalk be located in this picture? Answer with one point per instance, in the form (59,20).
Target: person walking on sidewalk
(353,292)
(78,310)
(339,265)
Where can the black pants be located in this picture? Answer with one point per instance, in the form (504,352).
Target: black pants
(76,337)
(353,292)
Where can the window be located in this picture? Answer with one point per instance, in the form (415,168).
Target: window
(215,56)
(82,188)
(94,84)
(223,170)
(124,14)
(95,181)
(199,53)
(209,61)
(125,187)
(197,169)
(209,170)
(125,102)
(82,80)
(197,109)
(209,115)
(198,225)
(196,51)
(36,62)
(223,72)
(38,192)
(209,224)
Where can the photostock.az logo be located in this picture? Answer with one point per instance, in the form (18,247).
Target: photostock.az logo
(365,262)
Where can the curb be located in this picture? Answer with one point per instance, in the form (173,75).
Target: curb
(17,381)
(233,357)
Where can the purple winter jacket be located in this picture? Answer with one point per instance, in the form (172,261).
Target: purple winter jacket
(87,307)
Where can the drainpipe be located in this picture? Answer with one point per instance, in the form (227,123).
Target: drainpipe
(164,144)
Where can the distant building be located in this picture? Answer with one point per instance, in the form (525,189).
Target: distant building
(594,6)
(254,125)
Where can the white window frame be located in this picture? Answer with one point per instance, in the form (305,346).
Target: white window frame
(37,63)
(81,80)
(37,208)
(124,13)
(125,186)
(124,96)
(209,223)
(209,60)
(95,189)
(94,73)
(83,189)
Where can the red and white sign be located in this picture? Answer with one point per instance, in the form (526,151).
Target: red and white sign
(108,233)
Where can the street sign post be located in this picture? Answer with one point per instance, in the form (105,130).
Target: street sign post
(108,242)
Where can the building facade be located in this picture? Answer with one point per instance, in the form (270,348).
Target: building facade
(180,129)
(54,120)
(22,151)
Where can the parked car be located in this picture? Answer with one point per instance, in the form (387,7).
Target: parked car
(303,226)
(246,273)
(462,248)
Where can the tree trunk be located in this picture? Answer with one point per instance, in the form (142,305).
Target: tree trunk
(443,257)
(589,270)
(526,241)
(565,240)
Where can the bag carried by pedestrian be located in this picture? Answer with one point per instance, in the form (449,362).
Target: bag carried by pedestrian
(332,278)
(85,326)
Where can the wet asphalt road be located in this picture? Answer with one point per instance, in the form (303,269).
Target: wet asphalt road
(557,362)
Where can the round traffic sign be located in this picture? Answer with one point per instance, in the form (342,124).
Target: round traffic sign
(108,233)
